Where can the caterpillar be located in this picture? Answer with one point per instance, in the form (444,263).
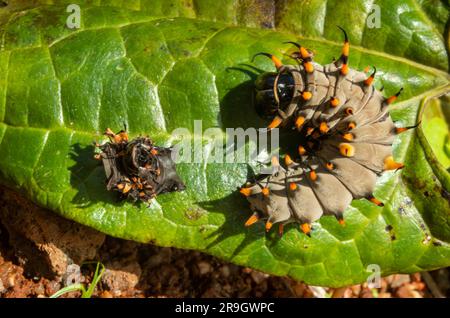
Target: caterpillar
(137,169)
(345,136)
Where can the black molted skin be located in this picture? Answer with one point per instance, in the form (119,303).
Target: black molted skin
(138,169)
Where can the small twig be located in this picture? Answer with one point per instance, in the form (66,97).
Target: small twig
(431,284)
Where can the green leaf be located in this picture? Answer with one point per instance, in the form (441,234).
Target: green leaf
(161,65)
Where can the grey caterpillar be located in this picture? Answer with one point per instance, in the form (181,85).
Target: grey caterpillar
(345,138)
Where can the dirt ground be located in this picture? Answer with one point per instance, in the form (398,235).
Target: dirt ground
(33,265)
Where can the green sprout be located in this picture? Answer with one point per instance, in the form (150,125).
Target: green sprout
(85,293)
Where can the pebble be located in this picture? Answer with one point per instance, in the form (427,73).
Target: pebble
(366,293)
(40,289)
(258,277)
(399,280)
(106,294)
(225,270)
(12,280)
(2,288)
(356,289)
(124,279)
(408,291)
(204,267)
(52,287)
(299,289)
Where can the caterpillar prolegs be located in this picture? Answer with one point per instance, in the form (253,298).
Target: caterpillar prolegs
(345,137)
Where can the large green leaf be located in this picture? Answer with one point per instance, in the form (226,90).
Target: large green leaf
(160,65)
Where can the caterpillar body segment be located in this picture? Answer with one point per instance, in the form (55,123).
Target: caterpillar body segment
(345,138)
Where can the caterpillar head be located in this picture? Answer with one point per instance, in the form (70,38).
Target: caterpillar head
(273,91)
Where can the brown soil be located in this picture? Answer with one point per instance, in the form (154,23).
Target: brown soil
(32,264)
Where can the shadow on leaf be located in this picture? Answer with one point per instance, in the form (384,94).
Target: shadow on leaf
(88,178)
(236,210)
